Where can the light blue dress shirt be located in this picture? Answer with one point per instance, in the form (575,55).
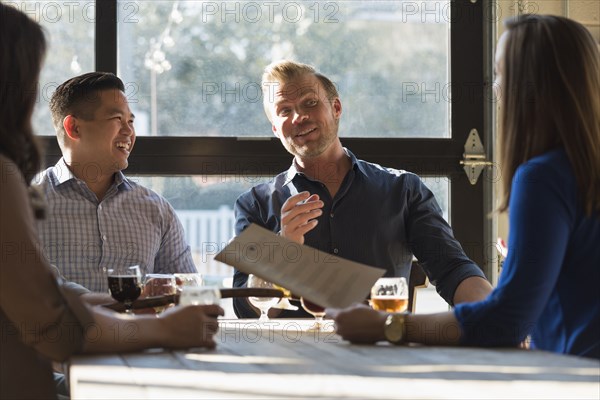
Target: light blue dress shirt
(132,225)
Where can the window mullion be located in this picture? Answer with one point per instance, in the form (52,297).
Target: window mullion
(106,36)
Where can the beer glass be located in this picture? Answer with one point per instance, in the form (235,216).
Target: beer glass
(159,285)
(262,303)
(199,295)
(390,295)
(125,285)
(188,279)
(316,311)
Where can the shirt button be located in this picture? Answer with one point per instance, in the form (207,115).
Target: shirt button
(104,237)
(104,269)
(100,207)
(331,215)
(335,251)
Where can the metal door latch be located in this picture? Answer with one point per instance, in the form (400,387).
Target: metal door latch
(474,159)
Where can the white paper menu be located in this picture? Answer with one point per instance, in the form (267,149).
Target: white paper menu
(322,278)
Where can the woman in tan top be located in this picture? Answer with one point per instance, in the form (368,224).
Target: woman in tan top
(40,320)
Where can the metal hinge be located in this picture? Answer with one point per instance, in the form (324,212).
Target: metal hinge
(474,159)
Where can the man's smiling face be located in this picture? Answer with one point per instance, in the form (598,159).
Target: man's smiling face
(303,117)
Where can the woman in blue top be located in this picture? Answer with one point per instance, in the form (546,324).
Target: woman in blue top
(548,74)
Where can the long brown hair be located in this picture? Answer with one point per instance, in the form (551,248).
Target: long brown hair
(551,99)
(22,49)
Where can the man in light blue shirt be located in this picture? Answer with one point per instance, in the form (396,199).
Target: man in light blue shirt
(97,218)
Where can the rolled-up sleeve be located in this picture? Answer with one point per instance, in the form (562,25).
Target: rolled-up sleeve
(432,241)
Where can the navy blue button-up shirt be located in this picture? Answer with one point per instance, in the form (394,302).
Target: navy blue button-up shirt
(379,217)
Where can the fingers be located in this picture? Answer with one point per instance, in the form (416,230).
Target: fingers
(202,324)
(206,316)
(299,215)
(212,310)
(332,313)
(359,324)
(209,327)
(298,231)
(301,202)
(290,203)
(345,312)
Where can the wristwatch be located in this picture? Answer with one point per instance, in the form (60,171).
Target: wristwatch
(395,328)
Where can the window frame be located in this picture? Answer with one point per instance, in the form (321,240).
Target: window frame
(471,38)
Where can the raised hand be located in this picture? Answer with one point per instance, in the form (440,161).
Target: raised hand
(299,215)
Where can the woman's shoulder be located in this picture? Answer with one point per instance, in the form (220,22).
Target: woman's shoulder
(546,178)
(14,193)
(552,165)
(558,155)
(10,174)
(5,161)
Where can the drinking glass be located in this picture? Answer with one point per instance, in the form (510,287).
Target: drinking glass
(284,302)
(199,295)
(160,285)
(262,303)
(124,284)
(390,295)
(316,311)
(188,279)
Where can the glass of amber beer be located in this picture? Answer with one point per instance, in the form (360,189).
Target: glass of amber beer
(390,295)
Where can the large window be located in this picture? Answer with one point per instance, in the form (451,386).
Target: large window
(193,67)
(410,73)
(69,28)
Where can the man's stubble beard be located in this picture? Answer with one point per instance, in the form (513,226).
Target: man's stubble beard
(322,144)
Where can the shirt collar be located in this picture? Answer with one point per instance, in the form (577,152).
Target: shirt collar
(122,181)
(293,170)
(63,174)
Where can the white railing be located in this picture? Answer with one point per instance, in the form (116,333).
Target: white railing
(207,232)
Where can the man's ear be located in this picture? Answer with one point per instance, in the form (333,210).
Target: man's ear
(274,131)
(337,107)
(71,127)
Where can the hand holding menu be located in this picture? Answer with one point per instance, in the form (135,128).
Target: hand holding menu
(322,278)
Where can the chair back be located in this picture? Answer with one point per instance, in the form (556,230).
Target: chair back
(417,279)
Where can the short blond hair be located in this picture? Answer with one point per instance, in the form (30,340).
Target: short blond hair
(284,71)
